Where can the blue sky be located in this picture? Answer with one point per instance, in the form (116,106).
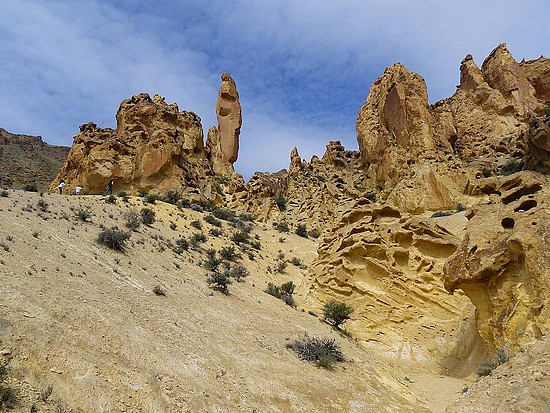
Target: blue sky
(303,68)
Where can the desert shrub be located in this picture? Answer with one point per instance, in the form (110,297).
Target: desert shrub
(4,193)
(83,215)
(314,233)
(198,238)
(215,232)
(7,394)
(122,194)
(240,237)
(281,202)
(439,214)
(296,261)
(486,172)
(219,282)
(283,292)
(282,227)
(229,253)
(30,188)
(371,196)
(42,205)
(113,238)
(171,197)
(212,261)
(212,220)
(224,214)
(150,198)
(460,207)
(237,271)
(111,199)
(280,266)
(147,216)
(301,230)
(322,351)
(547,109)
(510,167)
(158,290)
(336,312)
(247,217)
(196,224)
(132,219)
(173,225)
(487,366)
(182,244)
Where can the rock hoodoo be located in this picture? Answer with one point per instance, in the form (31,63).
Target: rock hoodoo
(223,141)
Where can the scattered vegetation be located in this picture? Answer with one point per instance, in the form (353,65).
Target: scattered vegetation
(547,109)
(283,292)
(336,312)
(282,227)
(132,220)
(212,220)
(7,393)
(324,352)
(111,199)
(158,290)
(510,167)
(150,198)
(219,282)
(113,238)
(301,230)
(224,214)
(42,205)
(4,193)
(147,216)
(281,202)
(439,214)
(30,188)
(371,196)
(83,215)
(196,224)
(171,197)
(487,366)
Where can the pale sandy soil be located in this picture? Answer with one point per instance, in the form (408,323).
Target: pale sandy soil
(83,319)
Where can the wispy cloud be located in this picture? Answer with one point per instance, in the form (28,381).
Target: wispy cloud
(303,68)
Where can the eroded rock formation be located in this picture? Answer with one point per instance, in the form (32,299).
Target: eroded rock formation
(223,141)
(503,261)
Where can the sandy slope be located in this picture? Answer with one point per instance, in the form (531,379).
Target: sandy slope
(83,319)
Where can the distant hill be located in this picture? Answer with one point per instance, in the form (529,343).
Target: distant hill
(26,160)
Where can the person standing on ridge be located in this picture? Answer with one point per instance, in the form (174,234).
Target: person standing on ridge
(61,185)
(109,189)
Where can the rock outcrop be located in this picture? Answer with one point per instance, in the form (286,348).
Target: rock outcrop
(411,148)
(503,261)
(28,160)
(222,143)
(155,147)
(389,266)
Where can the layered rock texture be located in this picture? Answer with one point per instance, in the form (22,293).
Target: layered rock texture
(503,261)
(222,143)
(28,160)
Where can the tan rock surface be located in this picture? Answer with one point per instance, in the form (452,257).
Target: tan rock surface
(223,141)
(502,263)
(389,267)
(155,147)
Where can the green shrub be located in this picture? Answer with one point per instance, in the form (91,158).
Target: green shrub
(158,290)
(8,395)
(487,366)
(371,196)
(460,207)
(229,253)
(219,282)
(215,232)
(336,312)
(547,109)
(240,237)
(171,197)
(182,244)
(322,351)
(150,198)
(439,214)
(212,261)
(147,216)
(281,202)
(30,188)
(132,220)
(282,227)
(113,238)
(510,167)
(283,292)
(280,266)
(296,261)
(42,205)
(237,271)
(111,199)
(301,230)
(224,214)
(83,215)
(4,193)
(212,220)
(196,224)
(247,217)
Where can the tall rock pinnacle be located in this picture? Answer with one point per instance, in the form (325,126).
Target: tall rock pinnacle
(223,141)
